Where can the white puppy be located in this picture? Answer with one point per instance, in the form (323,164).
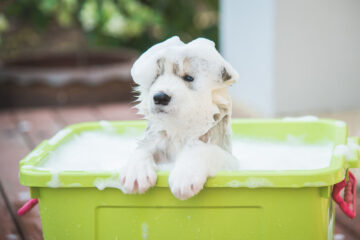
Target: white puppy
(184,97)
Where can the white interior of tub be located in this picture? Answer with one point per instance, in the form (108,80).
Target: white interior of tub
(97,151)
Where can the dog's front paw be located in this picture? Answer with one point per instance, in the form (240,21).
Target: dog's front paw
(137,176)
(185,183)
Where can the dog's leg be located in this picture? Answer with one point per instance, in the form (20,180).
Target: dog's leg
(139,173)
(194,164)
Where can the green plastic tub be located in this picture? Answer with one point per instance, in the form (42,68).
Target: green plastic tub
(234,205)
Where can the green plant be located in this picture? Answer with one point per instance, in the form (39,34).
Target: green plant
(131,23)
(3,24)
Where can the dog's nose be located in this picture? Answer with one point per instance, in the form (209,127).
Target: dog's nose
(161,98)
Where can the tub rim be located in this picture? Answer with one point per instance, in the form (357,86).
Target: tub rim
(32,177)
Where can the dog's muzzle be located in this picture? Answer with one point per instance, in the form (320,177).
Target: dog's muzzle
(161,98)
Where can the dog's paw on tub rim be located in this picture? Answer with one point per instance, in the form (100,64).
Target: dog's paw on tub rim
(137,177)
(185,184)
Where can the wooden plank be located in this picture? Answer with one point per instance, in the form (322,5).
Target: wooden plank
(13,148)
(8,226)
(351,225)
(35,126)
(31,224)
(43,95)
(117,112)
(343,234)
(72,115)
(38,124)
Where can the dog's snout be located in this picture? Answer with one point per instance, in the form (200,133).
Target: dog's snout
(161,98)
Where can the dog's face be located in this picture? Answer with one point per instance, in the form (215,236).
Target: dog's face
(179,85)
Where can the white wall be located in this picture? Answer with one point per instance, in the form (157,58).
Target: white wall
(246,41)
(317,55)
(293,55)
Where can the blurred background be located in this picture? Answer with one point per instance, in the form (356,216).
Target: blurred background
(68,61)
(67,52)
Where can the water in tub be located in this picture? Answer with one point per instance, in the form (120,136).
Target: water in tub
(96,151)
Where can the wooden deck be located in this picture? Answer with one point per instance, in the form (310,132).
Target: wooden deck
(22,130)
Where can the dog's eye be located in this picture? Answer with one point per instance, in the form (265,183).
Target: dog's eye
(188,78)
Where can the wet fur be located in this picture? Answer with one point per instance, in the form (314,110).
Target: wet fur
(197,150)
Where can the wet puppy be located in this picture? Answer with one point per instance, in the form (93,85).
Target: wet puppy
(183,96)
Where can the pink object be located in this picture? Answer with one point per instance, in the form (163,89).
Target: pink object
(350,195)
(27,206)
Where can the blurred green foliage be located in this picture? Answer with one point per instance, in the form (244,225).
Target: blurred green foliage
(127,23)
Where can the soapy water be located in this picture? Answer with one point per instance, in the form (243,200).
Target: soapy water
(97,151)
(91,151)
(301,119)
(291,155)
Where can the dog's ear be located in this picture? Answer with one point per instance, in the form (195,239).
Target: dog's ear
(206,49)
(225,75)
(228,74)
(145,67)
(220,133)
(221,98)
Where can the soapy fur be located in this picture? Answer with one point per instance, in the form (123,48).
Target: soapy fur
(194,129)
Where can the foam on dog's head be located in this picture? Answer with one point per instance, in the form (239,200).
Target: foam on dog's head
(205,49)
(144,69)
(195,105)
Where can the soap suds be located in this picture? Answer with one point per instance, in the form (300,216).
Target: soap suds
(111,182)
(28,167)
(91,151)
(315,184)
(292,155)
(340,123)
(54,181)
(343,150)
(34,153)
(233,183)
(145,231)
(59,136)
(353,145)
(298,139)
(251,182)
(107,126)
(301,119)
(97,151)
(349,150)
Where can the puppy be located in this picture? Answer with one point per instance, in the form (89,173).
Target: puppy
(184,98)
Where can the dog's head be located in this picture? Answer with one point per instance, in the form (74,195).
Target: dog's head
(183,87)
